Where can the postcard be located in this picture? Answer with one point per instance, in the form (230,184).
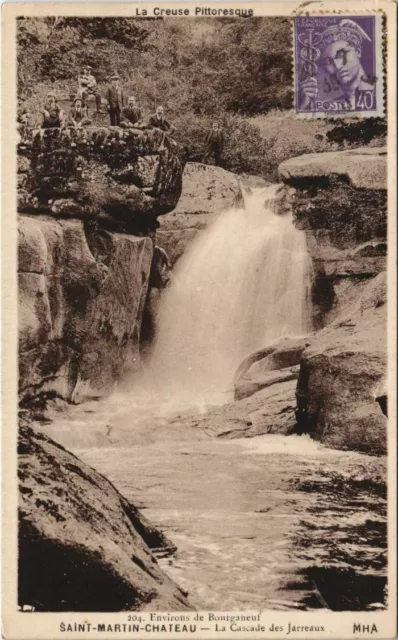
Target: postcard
(199,320)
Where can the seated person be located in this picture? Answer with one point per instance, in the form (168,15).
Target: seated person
(92,88)
(78,116)
(158,121)
(131,115)
(53,116)
(23,124)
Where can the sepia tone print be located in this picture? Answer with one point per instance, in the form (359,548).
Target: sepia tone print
(202,323)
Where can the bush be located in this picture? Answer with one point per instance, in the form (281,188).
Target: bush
(237,71)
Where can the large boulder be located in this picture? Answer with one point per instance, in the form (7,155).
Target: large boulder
(82,292)
(206,189)
(82,546)
(264,394)
(276,363)
(341,396)
(363,168)
(122,178)
(340,200)
(269,410)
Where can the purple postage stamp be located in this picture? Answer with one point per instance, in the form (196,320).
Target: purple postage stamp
(338,63)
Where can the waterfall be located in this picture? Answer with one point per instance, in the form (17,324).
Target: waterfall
(242,284)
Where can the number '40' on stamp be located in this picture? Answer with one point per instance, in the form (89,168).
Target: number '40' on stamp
(338,65)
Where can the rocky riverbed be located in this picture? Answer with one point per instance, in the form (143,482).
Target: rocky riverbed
(261,517)
(267,522)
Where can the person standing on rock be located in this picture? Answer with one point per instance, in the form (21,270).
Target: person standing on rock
(53,116)
(131,115)
(115,99)
(214,144)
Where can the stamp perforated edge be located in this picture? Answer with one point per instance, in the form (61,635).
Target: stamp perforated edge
(380,62)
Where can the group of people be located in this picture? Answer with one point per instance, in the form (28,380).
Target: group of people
(122,113)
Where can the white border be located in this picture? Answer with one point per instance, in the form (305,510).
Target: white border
(43,626)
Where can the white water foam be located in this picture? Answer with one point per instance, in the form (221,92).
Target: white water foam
(241,285)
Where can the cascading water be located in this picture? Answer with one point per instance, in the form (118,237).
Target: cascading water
(240,286)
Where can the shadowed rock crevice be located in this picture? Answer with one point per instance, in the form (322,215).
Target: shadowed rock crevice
(75,581)
(383,403)
(81,313)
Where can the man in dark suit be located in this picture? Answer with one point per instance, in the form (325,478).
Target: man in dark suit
(158,121)
(115,100)
(131,115)
(214,143)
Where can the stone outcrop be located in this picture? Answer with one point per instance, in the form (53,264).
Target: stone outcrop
(264,394)
(340,200)
(330,384)
(269,410)
(122,178)
(363,168)
(82,293)
(276,363)
(88,200)
(206,189)
(341,395)
(82,546)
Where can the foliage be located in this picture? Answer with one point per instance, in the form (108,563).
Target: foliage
(254,145)
(206,59)
(237,71)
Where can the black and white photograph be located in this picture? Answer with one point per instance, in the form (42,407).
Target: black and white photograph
(204,374)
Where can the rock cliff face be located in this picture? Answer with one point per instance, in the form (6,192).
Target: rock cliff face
(340,200)
(82,546)
(122,179)
(88,203)
(341,390)
(81,296)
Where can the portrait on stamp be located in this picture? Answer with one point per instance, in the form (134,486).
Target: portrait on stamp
(335,62)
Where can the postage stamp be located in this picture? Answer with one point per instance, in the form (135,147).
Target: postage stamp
(338,65)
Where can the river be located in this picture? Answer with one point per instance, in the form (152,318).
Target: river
(266,522)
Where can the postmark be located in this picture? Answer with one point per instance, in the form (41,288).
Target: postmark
(338,65)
